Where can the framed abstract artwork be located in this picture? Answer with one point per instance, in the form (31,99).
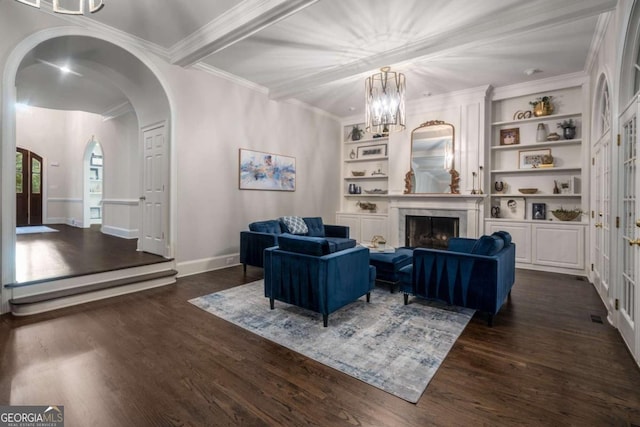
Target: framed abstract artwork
(266,171)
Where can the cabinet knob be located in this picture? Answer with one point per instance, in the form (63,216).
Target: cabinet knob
(598,225)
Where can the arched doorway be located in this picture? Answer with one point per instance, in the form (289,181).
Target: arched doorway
(148,109)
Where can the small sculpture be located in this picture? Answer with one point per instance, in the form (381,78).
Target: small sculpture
(455,181)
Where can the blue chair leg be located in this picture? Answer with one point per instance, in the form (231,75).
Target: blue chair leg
(368,296)
(271,303)
(406,298)
(325,320)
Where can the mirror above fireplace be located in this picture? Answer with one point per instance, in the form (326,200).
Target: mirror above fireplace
(432,159)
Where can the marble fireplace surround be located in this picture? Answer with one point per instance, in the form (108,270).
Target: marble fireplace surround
(469,208)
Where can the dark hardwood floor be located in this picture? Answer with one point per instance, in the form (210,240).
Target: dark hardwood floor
(153,359)
(74,251)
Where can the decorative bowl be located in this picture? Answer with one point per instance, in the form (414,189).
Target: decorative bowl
(553,136)
(564,215)
(376,191)
(528,190)
(358,173)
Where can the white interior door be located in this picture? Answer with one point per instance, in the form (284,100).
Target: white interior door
(154,200)
(602,219)
(629,231)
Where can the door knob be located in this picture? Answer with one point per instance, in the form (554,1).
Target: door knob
(598,225)
(634,242)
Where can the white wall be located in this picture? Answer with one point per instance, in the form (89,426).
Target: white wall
(61,138)
(215,119)
(211,119)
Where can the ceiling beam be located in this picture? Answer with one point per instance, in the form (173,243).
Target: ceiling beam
(238,23)
(525,17)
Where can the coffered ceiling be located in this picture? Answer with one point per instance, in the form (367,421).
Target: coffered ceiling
(319,51)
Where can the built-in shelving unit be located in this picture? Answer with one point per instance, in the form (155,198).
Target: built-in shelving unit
(365,167)
(543,241)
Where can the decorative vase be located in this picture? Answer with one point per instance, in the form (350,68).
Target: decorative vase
(542,109)
(569,133)
(556,189)
(541,133)
(352,189)
(356,133)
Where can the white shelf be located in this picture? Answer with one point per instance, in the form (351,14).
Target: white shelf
(359,178)
(365,195)
(372,159)
(539,195)
(535,170)
(562,142)
(361,141)
(537,119)
(537,221)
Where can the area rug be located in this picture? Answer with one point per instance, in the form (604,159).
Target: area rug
(35,229)
(395,347)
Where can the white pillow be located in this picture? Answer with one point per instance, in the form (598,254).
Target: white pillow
(295,224)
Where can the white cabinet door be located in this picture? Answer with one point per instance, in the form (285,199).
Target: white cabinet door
(559,245)
(520,235)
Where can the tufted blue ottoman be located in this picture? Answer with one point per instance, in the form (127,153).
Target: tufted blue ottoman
(388,265)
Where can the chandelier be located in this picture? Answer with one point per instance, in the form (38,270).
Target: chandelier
(384,102)
(78,9)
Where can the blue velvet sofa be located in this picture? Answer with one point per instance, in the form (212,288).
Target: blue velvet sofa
(472,273)
(311,273)
(264,234)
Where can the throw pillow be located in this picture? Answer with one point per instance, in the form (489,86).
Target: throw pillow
(295,224)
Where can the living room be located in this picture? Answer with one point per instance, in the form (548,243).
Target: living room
(210,113)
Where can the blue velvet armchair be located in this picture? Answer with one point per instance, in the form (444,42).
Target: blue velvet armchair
(264,234)
(309,273)
(477,274)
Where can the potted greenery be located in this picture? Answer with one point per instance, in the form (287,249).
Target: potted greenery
(356,133)
(542,106)
(566,214)
(568,128)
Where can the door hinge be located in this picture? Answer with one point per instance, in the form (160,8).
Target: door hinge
(593,161)
(617,304)
(617,222)
(591,266)
(619,140)
(593,214)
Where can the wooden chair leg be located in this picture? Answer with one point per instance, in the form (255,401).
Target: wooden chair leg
(490,320)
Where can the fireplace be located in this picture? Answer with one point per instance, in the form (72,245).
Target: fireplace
(430,231)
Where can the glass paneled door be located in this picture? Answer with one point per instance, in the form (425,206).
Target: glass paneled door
(28,188)
(602,220)
(629,227)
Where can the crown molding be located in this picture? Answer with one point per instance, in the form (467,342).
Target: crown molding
(541,85)
(230,77)
(524,18)
(236,24)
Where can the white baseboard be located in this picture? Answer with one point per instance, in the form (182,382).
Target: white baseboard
(188,268)
(119,232)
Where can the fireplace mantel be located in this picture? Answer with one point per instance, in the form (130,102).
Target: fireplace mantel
(468,207)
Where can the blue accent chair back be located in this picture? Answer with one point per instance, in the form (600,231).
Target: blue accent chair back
(308,272)
(472,273)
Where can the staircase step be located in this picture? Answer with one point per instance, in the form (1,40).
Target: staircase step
(59,293)
(32,299)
